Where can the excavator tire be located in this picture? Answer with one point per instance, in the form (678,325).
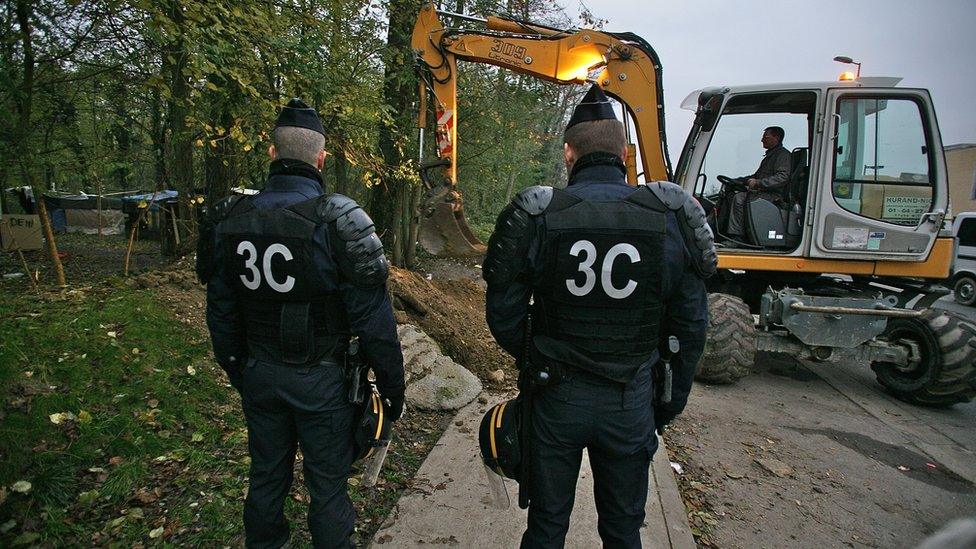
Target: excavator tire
(942,371)
(731,347)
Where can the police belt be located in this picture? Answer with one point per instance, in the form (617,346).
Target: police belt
(295,332)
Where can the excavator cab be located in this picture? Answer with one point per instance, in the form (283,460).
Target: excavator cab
(865,182)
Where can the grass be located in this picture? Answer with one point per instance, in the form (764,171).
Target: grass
(149,447)
(112,413)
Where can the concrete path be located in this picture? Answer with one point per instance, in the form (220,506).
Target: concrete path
(451,505)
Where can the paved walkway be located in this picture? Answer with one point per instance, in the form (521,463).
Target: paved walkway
(451,505)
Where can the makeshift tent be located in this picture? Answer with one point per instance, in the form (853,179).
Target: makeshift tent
(79,213)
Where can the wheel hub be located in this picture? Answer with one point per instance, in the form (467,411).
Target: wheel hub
(966,291)
(914,356)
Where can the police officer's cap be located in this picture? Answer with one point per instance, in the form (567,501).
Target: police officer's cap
(595,105)
(297,114)
(499,439)
(373,427)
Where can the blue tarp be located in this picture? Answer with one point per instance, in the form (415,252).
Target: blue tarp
(59,221)
(161,197)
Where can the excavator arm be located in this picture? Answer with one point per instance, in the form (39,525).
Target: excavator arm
(623,64)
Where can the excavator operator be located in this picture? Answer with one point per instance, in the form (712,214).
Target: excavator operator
(771,176)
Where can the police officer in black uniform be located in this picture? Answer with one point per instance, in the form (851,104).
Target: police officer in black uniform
(611,271)
(292,273)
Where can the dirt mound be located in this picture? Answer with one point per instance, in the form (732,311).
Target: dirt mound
(450,311)
(181,276)
(178,287)
(453,313)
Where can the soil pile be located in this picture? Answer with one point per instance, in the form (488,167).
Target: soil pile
(450,311)
(453,313)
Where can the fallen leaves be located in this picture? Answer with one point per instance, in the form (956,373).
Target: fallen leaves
(146,496)
(157,532)
(62,417)
(84,417)
(89,497)
(21,487)
(774,466)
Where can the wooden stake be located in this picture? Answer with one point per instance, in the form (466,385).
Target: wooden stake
(52,246)
(27,271)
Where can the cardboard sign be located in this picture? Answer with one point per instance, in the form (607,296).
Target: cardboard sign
(20,232)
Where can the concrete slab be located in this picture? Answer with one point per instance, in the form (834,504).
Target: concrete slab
(451,504)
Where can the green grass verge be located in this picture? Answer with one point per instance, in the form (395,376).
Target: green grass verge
(115,416)
(113,411)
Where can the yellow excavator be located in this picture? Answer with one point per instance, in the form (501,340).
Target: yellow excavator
(843,263)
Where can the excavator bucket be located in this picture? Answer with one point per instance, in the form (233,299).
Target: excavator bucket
(445,233)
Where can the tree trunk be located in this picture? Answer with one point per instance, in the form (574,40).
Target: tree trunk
(158,141)
(414,230)
(399,83)
(340,167)
(396,227)
(121,132)
(511,185)
(180,145)
(404,222)
(3,194)
(24,105)
(219,174)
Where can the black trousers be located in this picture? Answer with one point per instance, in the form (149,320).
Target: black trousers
(739,203)
(288,406)
(615,423)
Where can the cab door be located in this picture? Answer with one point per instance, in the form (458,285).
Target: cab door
(882,187)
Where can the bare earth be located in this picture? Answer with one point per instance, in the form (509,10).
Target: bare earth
(817,455)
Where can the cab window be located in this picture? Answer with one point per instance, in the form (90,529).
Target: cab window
(881,162)
(967,232)
(735,148)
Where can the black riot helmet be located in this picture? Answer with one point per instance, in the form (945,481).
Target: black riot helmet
(499,439)
(373,428)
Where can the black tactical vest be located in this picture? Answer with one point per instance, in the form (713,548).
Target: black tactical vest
(598,302)
(268,260)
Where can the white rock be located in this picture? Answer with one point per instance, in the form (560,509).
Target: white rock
(419,351)
(448,386)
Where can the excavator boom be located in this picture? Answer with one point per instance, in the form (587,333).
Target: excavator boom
(623,65)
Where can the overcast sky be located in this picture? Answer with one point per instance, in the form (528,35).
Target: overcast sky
(724,42)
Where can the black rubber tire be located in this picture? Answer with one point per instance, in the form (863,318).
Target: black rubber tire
(730,351)
(964,291)
(945,371)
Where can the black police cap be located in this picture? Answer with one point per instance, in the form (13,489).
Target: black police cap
(297,114)
(595,105)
